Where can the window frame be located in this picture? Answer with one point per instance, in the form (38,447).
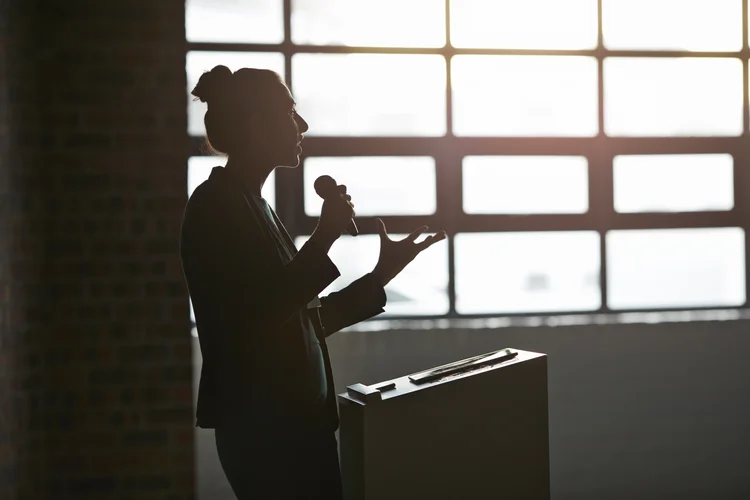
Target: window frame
(449,150)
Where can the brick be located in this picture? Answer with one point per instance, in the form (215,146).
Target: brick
(181,373)
(178,414)
(87,485)
(143,353)
(92,297)
(111,376)
(146,437)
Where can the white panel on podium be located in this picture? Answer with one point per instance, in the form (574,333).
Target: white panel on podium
(475,429)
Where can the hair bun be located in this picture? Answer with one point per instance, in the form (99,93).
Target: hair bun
(213,84)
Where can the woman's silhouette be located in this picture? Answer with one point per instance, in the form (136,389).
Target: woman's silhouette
(266,385)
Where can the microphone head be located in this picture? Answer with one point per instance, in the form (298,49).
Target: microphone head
(325,186)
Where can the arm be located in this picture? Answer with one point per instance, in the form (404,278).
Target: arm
(230,264)
(361,300)
(365,297)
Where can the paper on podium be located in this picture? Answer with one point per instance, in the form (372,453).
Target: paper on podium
(473,429)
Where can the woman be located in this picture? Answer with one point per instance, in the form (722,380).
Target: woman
(266,385)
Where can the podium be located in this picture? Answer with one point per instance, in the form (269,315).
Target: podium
(473,429)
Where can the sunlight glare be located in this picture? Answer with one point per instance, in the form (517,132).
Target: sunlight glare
(364,23)
(524,24)
(553,96)
(695,25)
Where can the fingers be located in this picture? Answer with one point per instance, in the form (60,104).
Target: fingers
(411,238)
(349,208)
(416,233)
(337,211)
(430,240)
(348,200)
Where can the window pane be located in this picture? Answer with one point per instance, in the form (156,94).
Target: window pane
(246,21)
(676,268)
(383,185)
(198,62)
(524,96)
(419,23)
(672,97)
(525,185)
(420,289)
(371,94)
(699,25)
(199,168)
(673,183)
(527,272)
(526,24)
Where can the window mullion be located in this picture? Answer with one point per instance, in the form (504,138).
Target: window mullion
(601,204)
(449,185)
(601,182)
(742,158)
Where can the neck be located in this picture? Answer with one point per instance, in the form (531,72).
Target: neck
(252,173)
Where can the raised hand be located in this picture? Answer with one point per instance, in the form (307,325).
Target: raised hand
(395,255)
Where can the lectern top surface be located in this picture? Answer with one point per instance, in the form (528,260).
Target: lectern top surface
(394,388)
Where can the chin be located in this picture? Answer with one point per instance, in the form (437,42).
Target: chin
(289,157)
(290,163)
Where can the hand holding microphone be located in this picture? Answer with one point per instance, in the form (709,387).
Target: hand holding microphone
(336,215)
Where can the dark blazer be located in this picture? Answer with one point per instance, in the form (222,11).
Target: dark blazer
(250,288)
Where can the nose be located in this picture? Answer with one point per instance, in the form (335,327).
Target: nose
(301,123)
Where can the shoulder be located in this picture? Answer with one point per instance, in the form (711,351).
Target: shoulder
(217,205)
(219,218)
(215,195)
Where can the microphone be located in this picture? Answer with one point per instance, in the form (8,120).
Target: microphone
(326,188)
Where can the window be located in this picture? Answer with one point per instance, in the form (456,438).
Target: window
(697,25)
(368,24)
(380,185)
(514,272)
(673,183)
(525,185)
(528,24)
(524,96)
(670,97)
(371,94)
(655,268)
(243,21)
(581,161)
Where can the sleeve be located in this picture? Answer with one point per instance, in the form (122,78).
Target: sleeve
(240,274)
(361,300)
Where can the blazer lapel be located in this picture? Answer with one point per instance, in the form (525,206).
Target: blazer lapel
(284,234)
(280,237)
(260,215)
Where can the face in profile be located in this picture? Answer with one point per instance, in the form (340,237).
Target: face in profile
(283,128)
(251,114)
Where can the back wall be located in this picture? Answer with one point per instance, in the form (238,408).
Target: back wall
(636,411)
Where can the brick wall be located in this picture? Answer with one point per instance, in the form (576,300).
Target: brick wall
(95,379)
(9,428)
